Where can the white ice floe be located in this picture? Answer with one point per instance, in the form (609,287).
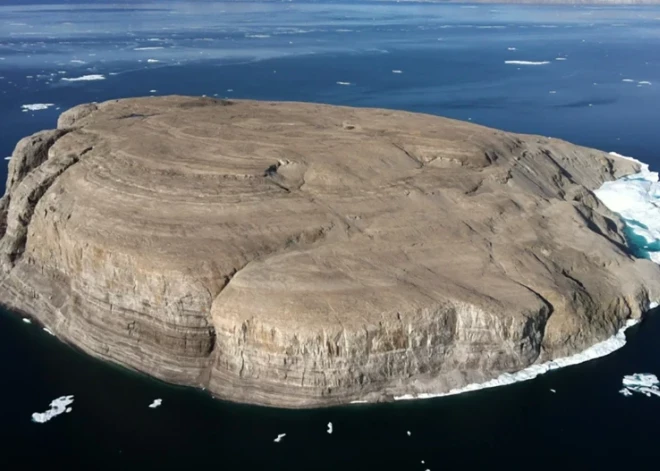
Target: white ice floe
(527,62)
(84,78)
(344,83)
(560,58)
(57,406)
(257,36)
(511,49)
(644,82)
(598,350)
(553,391)
(8,157)
(37,106)
(635,199)
(628,80)
(156,403)
(396,71)
(152,61)
(408,433)
(77,61)
(279,437)
(148,48)
(552,92)
(330,429)
(642,383)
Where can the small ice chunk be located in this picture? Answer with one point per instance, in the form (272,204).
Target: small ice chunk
(77,61)
(397,71)
(153,91)
(553,391)
(626,392)
(156,403)
(279,437)
(84,78)
(560,58)
(628,80)
(652,305)
(408,433)
(526,62)
(512,49)
(37,106)
(640,380)
(343,83)
(47,330)
(552,92)
(27,321)
(57,406)
(330,428)
(644,82)
(152,61)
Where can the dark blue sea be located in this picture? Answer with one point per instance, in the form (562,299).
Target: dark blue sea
(590,75)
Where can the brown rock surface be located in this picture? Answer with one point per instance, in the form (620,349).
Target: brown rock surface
(299,255)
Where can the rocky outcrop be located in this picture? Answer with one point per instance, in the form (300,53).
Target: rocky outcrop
(300,255)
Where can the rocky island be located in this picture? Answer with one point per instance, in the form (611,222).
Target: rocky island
(302,255)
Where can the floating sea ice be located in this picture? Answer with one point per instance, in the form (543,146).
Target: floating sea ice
(25,319)
(640,380)
(626,392)
(280,437)
(156,403)
(560,58)
(150,48)
(49,331)
(37,106)
(152,61)
(153,91)
(84,78)
(552,92)
(57,406)
(553,391)
(8,157)
(526,62)
(343,83)
(330,427)
(408,433)
(628,80)
(77,61)
(644,82)
(511,49)
(397,71)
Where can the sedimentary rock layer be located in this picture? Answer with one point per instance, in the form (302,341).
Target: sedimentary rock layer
(301,255)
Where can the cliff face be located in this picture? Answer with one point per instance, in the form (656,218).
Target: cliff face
(300,255)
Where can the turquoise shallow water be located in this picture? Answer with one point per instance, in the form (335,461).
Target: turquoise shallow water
(452,62)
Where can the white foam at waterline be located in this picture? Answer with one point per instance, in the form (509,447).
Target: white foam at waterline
(27,321)
(344,83)
(279,437)
(330,429)
(152,61)
(598,350)
(37,106)
(560,58)
(258,36)
(526,62)
(359,401)
(396,71)
(644,82)
(57,406)
(155,404)
(149,48)
(48,331)
(634,198)
(153,91)
(84,78)
(8,157)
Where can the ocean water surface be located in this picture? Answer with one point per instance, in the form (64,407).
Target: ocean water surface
(590,75)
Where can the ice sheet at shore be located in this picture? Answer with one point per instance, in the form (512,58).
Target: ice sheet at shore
(57,406)
(635,199)
(601,349)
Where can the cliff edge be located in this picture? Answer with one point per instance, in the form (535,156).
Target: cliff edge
(300,255)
